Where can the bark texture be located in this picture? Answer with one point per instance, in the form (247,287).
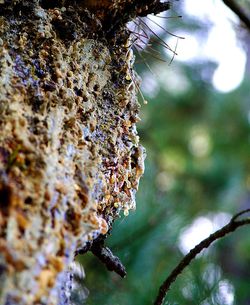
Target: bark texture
(69,154)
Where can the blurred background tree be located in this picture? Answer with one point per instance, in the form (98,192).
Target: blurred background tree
(196,129)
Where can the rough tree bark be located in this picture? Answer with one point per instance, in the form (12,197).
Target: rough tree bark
(70,160)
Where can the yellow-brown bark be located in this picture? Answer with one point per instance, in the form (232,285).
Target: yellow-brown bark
(69,154)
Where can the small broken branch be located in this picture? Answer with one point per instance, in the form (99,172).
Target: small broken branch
(227,229)
(104,254)
(111,261)
(235,7)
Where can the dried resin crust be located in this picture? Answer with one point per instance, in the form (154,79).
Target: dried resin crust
(70,158)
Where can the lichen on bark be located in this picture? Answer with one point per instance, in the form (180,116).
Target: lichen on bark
(70,158)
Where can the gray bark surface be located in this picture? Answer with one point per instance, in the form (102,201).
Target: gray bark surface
(70,159)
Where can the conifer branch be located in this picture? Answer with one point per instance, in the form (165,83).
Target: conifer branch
(239,11)
(233,225)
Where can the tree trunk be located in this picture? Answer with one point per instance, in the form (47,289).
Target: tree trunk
(69,154)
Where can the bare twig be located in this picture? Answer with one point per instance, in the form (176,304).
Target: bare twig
(227,229)
(240,214)
(104,254)
(239,11)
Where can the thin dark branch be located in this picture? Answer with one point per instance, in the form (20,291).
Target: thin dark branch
(240,213)
(104,254)
(239,11)
(227,229)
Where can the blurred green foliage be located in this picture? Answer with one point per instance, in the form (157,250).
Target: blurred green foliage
(198,164)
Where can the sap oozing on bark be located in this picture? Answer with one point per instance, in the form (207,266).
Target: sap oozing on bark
(70,159)
(69,154)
